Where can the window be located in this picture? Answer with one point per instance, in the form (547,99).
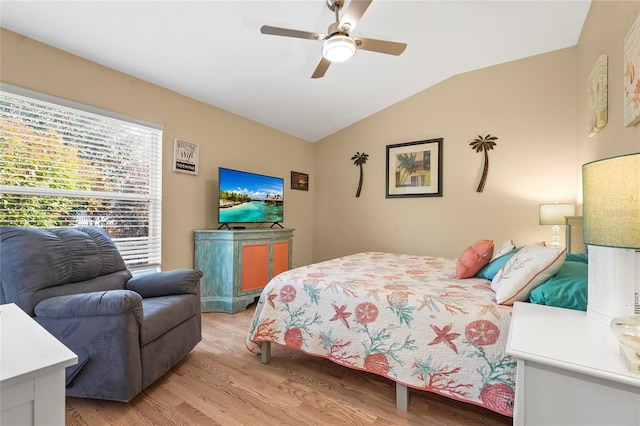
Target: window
(68,165)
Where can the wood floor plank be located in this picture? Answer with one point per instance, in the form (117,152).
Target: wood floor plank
(221,383)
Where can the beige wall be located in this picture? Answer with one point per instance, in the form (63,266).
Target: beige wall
(529,104)
(225,140)
(603,33)
(537,108)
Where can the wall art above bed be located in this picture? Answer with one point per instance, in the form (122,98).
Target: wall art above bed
(414,169)
(484,144)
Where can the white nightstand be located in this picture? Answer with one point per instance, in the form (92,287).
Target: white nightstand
(31,371)
(569,370)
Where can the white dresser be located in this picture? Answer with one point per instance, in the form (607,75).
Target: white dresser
(32,364)
(569,370)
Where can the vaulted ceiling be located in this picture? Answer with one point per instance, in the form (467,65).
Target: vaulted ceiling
(213,51)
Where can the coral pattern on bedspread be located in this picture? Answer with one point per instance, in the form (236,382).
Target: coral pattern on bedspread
(400,316)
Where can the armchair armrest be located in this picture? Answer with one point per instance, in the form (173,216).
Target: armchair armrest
(103,329)
(98,303)
(179,281)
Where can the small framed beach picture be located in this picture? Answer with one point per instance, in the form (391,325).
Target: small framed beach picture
(414,169)
(185,156)
(299,181)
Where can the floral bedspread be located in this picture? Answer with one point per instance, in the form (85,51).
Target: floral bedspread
(400,316)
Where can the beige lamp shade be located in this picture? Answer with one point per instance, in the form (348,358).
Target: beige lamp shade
(611,197)
(553,214)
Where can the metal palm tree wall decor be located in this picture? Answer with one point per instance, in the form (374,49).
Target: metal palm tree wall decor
(484,144)
(359,160)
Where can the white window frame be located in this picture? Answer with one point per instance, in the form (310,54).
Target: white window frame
(130,248)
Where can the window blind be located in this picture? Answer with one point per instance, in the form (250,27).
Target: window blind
(62,166)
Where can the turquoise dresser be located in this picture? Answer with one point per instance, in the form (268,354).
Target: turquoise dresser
(238,263)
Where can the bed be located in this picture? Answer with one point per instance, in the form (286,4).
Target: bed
(408,318)
(400,316)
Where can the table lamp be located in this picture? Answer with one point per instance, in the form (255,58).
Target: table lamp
(611,231)
(553,214)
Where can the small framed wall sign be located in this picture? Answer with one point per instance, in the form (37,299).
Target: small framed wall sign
(414,169)
(299,181)
(185,156)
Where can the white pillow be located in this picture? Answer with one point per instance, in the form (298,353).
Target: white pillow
(504,248)
(527,269)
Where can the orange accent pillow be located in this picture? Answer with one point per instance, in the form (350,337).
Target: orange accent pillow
(474,258)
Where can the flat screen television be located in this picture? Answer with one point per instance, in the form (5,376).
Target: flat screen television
(249,198)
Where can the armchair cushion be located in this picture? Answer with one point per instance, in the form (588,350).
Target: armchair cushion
(179,281)
(164,313)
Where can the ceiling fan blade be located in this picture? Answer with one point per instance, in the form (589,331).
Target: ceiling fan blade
(380,46)
(353,14)
(285,32)
(321,68)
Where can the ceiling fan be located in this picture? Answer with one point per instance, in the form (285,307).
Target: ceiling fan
(338,45)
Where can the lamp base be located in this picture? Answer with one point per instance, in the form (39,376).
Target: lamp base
(555,238)
(613,283)
(630,358)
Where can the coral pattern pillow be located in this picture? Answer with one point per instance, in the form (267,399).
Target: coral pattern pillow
(474,258)
(528,268)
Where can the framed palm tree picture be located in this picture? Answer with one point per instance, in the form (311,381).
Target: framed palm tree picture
(414,169)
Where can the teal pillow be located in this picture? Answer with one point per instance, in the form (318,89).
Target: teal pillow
(577,257)
(490,271)
(567,289)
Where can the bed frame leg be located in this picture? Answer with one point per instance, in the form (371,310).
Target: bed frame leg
(402,397)
(265,352)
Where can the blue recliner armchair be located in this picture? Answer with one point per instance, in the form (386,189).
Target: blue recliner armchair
(127,331)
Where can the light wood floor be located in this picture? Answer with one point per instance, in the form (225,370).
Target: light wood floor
(222,383)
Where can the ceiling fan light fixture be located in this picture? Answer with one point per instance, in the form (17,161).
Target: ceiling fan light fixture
(338,48)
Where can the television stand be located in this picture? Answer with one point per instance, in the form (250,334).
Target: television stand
(237,265)
(224,226)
